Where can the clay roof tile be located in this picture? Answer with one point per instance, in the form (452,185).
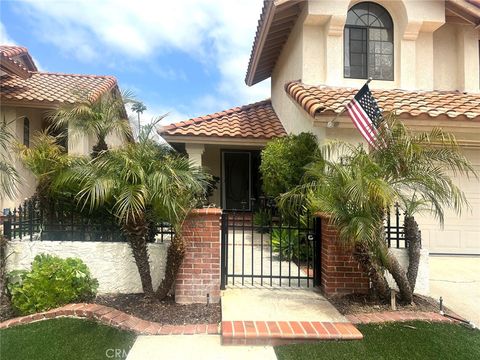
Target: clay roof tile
(257,121)
(450,104)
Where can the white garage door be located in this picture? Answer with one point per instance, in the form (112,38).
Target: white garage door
(461,234)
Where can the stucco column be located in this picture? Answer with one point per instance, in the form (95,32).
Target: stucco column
(467,40)
(408,57)
(195,152)
(334,50)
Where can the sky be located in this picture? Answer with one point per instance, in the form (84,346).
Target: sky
(184,57)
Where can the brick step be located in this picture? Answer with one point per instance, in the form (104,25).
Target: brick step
(285,332)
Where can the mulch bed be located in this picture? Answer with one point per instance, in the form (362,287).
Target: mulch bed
(361,304)
(166,312)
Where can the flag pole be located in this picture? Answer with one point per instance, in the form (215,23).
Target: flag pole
(332,123)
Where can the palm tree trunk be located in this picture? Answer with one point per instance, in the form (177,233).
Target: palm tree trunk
(3,266)
(175,255)
(100,146)
(375,273)
(413,238)
(400,277)
(136,231)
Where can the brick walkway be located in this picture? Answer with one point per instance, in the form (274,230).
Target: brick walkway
(280,332)
(389,316)
(110,316)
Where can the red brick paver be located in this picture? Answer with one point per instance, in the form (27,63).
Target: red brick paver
(110,316)
(282,332)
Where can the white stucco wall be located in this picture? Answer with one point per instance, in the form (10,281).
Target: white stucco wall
(111,263)
(422,286)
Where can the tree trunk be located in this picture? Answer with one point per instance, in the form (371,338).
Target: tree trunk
(413,238)
(136,231)
(100,146)
(175,255)
(375,273)
(3,266)
(400,277)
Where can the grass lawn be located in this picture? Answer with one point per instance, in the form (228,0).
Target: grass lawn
(413,340)
(64,339)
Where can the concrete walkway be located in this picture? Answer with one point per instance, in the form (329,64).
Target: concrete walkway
(457,280)
(252,255)
(277,304)
(194,347)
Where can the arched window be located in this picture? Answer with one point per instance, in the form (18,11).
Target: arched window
(26,132)
(368,42)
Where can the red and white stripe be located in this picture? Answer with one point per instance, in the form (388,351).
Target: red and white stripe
(363,122)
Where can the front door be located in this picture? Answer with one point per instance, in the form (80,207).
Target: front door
(237,186)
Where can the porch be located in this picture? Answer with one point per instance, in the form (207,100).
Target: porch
(228,144)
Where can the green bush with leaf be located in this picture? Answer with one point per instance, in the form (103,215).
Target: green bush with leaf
(262,219)
(52,282)
(290,244)
(284,160)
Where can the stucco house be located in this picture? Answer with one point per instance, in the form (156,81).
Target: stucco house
(423,57)
(26,96)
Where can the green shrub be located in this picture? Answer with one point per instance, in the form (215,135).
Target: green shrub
(290,244)
(262,220)
(284,160)
(52,282)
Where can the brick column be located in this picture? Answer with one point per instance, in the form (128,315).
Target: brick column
(341,273)
(199,274)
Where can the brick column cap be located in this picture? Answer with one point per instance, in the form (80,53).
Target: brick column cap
(206,211)
(322,214)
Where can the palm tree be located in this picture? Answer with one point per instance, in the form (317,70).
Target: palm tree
(8,188)
(8,174)
(100,118)
(139,108)
(45,158)
(138,182)
(419,167)
(355,187)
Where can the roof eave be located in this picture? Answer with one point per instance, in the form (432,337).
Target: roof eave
(214,140)
(259,44)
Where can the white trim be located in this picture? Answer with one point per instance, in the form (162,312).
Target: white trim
(211,140)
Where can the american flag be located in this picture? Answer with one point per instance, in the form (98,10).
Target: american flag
(366,115)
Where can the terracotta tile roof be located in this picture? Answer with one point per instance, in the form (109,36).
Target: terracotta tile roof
(257,121)
(318,100)
(53,88)
(9,64)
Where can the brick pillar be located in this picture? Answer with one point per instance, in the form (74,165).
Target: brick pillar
(199,273)
(341,273)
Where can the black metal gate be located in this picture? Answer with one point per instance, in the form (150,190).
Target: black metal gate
(262,248)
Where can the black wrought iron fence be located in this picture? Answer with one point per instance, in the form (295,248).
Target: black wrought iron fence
(265,208)
(394,229)
(63,222)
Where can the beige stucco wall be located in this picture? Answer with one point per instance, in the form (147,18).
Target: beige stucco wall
(289,68)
